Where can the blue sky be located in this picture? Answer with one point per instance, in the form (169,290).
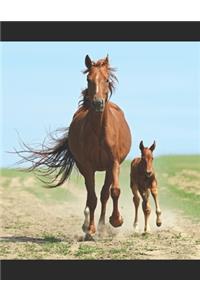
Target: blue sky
(158,90)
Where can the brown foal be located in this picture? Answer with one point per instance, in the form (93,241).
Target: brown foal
(143,181)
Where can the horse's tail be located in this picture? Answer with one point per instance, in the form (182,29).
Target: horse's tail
(53,163)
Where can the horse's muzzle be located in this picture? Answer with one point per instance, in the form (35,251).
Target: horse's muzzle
(98,105)
(148,174)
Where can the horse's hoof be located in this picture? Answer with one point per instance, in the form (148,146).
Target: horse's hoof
(85,228)
(89,237)
(158,223)
(116,222)
(158,219)
(146,233)
(147,230)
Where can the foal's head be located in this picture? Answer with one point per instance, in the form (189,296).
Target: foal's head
(147,158)
(100,80)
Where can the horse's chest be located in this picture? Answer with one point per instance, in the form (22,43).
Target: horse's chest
(99,155)
(144,183)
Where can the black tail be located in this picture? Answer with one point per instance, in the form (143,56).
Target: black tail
(54,163)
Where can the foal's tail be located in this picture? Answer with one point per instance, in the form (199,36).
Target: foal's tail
(53,163)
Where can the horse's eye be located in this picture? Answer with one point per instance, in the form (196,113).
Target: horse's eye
(107,80)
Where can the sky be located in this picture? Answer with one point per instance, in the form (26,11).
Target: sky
(158,90)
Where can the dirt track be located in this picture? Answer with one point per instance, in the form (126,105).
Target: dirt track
(35,229)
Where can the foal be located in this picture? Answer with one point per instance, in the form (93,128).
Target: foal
(142,181)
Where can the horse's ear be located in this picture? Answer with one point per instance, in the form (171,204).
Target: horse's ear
(107,60)
(153,146)
(88,62)
(141,145)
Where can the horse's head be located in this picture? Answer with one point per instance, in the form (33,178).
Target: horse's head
(100,79)
(147,158)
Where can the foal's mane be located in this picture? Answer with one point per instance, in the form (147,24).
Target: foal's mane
(84,102)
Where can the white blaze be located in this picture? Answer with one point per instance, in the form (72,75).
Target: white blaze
(97,86)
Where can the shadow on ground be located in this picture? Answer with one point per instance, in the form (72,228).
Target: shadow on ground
(22,239)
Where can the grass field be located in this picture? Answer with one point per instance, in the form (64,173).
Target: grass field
(46,223)
(179,181)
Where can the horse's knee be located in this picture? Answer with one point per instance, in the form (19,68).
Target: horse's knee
(148,211)
(146,208)
(115,192)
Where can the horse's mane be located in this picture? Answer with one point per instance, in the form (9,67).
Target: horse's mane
(84,102)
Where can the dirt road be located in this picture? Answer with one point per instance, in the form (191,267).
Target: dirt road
(35,229)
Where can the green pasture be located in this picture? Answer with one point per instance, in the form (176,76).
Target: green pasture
(178,181)
(37,189)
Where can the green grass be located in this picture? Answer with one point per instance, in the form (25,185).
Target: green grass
(58,248)
(37,188)
(166,167)
(173,195)
(49,245)
(13,173)
(170,195)
(87,251)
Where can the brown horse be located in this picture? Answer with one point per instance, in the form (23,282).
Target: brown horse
(143,180)
(98,139)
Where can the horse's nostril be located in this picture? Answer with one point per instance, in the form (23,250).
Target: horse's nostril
(98,104)
(148,173)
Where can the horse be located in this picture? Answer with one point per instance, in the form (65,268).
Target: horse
(98,139)
(143,181)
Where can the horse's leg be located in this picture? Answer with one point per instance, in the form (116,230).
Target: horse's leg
(146,209)
(105,192)
(154,192)
(89,226)
(136,201)
(115,219)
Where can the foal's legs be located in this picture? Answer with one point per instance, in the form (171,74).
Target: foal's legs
(154,192)
(115,220)
(136,201)
(105,192)
(146,209)
(89,226)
